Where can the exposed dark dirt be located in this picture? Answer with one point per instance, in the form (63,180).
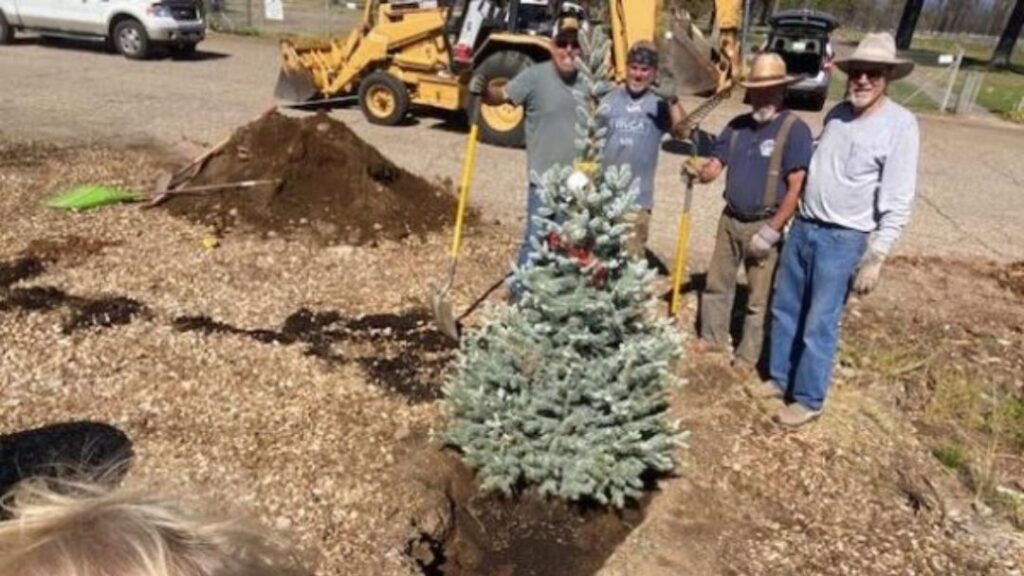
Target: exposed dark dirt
(329,183)
(20,269)
(401,353)
(84,312)
(464,532)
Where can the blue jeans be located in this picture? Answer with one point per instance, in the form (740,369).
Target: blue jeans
(533,205)
(812,284)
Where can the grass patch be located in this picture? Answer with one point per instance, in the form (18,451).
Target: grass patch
(950,456)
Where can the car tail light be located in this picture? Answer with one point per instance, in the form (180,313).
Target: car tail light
(463,53)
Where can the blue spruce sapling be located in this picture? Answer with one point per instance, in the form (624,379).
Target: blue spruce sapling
(566,389)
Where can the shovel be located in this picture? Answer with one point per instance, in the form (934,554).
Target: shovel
(162,192)
(439,303)
(683,238)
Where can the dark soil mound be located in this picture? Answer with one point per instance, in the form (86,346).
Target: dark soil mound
(328,182)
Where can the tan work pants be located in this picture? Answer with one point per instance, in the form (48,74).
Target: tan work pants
(636,243)
(720,288)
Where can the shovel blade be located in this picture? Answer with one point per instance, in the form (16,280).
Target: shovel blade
(443,317)
(690,60)
(294,85)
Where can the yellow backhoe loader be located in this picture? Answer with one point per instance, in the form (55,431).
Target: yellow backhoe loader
(418,53)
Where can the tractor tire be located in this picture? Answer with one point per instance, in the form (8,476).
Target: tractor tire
(131,39)
(6,30)
(383,98)
(505,124)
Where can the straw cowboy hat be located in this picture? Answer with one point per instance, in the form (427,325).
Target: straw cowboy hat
(768,69)
(877,48)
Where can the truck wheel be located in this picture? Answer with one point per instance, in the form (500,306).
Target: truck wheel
(6,31)
(383,98)
(505,124)
(131,39)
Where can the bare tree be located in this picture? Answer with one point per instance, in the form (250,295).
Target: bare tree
(1007,41)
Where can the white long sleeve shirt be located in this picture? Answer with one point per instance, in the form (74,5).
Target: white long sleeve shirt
(863,174)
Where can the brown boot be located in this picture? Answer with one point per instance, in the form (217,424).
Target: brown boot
(795,415)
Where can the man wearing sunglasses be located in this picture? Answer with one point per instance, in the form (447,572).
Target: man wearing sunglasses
(546,92)
(637,119)
(858,197)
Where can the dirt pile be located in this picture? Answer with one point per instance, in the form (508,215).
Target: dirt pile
(326,181)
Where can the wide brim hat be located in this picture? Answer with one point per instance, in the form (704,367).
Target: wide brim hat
(878,48)
(768,70)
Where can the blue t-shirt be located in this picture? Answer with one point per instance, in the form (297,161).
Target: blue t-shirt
(635,129)
(748,160)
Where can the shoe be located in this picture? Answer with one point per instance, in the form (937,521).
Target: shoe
(766,389)
(795,415)
(745,367)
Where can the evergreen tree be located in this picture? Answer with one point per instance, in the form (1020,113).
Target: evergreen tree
(566,389)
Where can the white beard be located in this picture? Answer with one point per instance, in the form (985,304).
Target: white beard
(764,114)
(862,100)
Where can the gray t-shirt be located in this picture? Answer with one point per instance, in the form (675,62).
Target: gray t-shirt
(635,130)
(864,172)
(550,116)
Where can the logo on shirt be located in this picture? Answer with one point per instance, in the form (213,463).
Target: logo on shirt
(767,147)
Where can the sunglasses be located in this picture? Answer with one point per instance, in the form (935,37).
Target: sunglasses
(564,43)
(873,74)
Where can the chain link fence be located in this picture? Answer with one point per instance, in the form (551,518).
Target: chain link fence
(283,17)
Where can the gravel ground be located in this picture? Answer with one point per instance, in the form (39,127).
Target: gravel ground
(315,445)
(77,93)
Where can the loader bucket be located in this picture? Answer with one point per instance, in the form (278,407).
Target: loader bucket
(690,61)
(295,85)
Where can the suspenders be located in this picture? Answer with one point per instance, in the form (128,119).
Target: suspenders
(769,199)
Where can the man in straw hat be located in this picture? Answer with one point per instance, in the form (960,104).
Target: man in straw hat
(767,152)
(861,183)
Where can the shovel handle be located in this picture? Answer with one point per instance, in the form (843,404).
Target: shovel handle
(682,247)
(467,177)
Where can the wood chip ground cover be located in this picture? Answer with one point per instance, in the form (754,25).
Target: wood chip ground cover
(301,431)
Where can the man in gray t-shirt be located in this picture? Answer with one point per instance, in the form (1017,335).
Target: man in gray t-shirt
(859,193)
(546,92)
(637,120)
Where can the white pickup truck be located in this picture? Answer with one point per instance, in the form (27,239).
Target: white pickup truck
(132,27)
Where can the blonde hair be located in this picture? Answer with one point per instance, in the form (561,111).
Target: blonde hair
(79,529)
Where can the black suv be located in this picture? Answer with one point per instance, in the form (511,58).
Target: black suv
(802,38)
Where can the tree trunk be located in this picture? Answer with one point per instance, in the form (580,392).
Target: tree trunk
(908,22)
(767,9)
(1004,49)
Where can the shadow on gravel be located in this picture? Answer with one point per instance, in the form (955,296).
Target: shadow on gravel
(401,353)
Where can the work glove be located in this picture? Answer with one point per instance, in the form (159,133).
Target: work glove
(868,272)
(693,166)
(761,244)
(477,84)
